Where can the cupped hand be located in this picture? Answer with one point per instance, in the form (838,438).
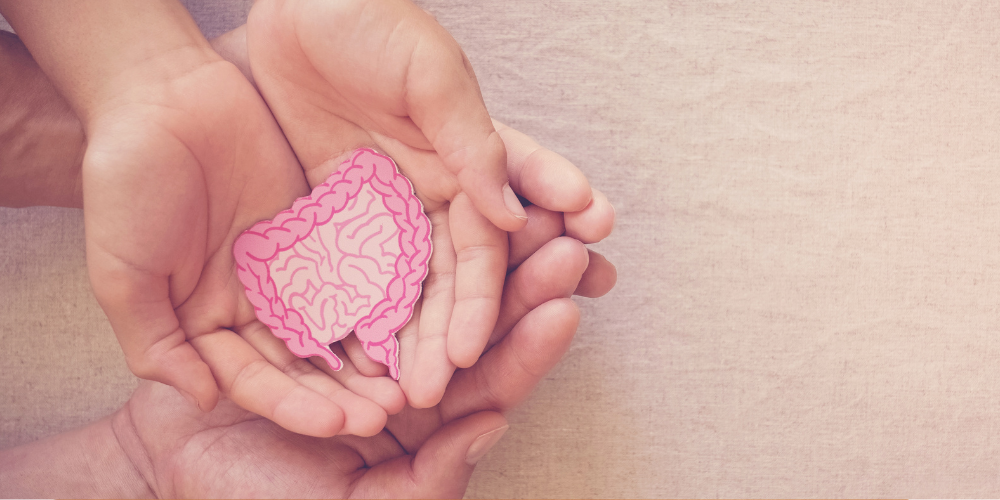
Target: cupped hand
(384,74)
(230,452)
(174,170)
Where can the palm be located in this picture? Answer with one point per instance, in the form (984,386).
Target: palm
(178,182)
(354,72)
(424,453)
(363,84)
(233,453)
(187,445)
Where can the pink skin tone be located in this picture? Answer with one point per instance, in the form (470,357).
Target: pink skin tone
(180,317)
(158,445)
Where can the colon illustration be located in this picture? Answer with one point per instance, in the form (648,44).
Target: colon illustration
(351,256)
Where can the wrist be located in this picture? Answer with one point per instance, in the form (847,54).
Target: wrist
(101,53)
(41,139)
(87,462)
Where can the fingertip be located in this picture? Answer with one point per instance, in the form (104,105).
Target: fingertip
(181,368)
(571,253)
(442,466)
(593,223)
(553,182)
(513,204)
(469,331)
(381,390)
(424,399)
(206,395)
(543,226)
(511,369)
(428,393)
(356,353)
(462,353)
(494,199)
(395,405)
(204,387)
(386,393)
(482,173)
(599,278)
(564,309)
(555,323)
(365,420)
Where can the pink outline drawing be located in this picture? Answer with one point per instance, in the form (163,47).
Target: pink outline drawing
(259,246)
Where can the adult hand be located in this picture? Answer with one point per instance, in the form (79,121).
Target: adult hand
(389,77)
(182,156)
(230,452)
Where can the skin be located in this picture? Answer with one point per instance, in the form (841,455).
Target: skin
(34,115)
(157,445)
(195,322)
(160,445)
(391,78)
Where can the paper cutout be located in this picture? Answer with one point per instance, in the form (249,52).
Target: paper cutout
(350,256)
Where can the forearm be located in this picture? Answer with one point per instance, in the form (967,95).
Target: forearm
(41,139)
(99,54)
(85,463)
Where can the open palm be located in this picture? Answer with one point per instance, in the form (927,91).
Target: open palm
(230,452)
(384,74)
(172,174)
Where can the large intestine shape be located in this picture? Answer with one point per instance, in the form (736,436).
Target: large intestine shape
(351,256)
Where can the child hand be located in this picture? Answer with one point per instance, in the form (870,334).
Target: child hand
(182,156)
(388,76)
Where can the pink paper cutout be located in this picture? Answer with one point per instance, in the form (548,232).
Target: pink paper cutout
(350,256)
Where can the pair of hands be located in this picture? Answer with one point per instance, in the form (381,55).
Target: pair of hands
(180,162)
(425,453)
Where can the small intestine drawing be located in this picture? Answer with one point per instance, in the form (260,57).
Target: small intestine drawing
(351,256)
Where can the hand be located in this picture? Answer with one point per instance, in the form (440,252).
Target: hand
(391,78)
(182,452)
(182,156)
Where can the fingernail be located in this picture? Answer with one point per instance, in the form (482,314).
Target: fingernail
(483,443)
(191,399)
(513,204)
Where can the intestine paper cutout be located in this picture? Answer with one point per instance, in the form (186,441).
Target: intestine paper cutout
(351,256)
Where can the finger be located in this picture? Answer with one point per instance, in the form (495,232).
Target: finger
(543,225)
(428,369)
(442,466)
(594,223)
(383,391)
(362,416)
(360,360)
(143,318)
(509,371)
(542,176)
(481,261)
(553,271)
(445,102)
(256,385)
(599,278)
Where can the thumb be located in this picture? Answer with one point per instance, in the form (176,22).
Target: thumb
(156,348)
(443,464)
(445,102)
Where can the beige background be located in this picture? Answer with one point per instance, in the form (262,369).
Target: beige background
(808,202)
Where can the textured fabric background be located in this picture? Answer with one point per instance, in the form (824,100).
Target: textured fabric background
(808,203)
